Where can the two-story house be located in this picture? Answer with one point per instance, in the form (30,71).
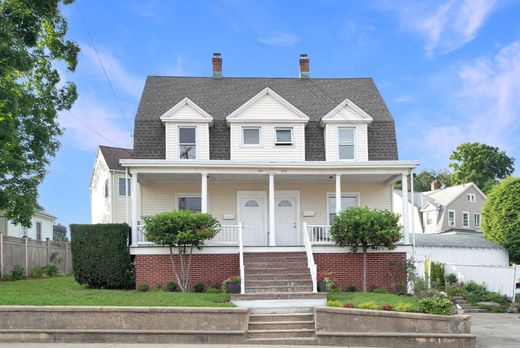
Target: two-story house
(273,159)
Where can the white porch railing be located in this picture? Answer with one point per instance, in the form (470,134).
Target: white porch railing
(318,234)
(310,259)
(228,235)
(241,256)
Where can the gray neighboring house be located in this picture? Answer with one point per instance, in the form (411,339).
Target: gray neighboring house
(455,208)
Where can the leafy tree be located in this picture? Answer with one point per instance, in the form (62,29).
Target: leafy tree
(32,42)
(481,164)
(183,230)
(366,228)
(59,233)
(422,181)
(501,216)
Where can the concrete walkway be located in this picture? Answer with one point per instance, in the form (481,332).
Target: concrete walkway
(496,330)
(101,345)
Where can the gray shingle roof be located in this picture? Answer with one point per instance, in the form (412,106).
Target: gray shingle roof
(112,156)
(454,239)
(219,97)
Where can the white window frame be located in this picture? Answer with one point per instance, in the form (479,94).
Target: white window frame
(179,142)
(454,218)
(475,220)
(430,219)
(471,197)
(106,189)
(260,138)
(465,213)
(333,194)
(188,195)
(353,144)
(283,143)
(36,222)
(128,185)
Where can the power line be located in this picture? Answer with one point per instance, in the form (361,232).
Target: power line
(91,129)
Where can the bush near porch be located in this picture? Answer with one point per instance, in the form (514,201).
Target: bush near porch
(64,291)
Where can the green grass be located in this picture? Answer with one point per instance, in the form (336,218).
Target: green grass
(357,298)
(64,291)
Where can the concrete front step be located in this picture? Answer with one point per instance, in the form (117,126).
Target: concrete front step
(278,296)
(279,276)
(300,341)
(275,264)
(279,282)
(286,325)
(280,333)
(283,317)
(277,270)
(277,289)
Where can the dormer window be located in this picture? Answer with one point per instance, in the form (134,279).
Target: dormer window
(251,136)
(283,136)
(187,143)
(346,143)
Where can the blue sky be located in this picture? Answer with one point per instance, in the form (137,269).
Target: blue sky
(448,70)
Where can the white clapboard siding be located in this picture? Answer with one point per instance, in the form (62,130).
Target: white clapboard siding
(267,108)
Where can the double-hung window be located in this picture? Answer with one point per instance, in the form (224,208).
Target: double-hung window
(38,230)
(451,218)
(123,184)
(191,203)
(347,201)
(471,197)
(187,143)
(106,188)
(251,136)
(346,143)
(476,220)
(283,136)
(465,219)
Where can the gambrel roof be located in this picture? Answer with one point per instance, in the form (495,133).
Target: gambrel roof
(314,97)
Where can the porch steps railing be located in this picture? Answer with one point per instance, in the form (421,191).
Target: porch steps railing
(310,259)
(241,253)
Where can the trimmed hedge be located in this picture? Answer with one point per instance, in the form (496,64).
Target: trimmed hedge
(101,257)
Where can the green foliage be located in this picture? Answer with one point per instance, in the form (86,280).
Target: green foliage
(18,273)
(143,287)
(199,287)
(351,288)
(501,216)
(45,271)
(451,279)
(357,298)
(428,293)
(481,164)
(32,44)
(213,290)
(417,283)
(334,303)
(229,280)
(100,256)
(436,305)
(366,228)
(369,305)
(437,275)
(422,181)
(183,230)
(59,233)
(171,286)
(380,291)
(403,307)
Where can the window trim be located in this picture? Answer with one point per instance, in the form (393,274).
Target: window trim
(188,195)
(106,188)
(463,214)
(338,144)
(129,185)
(283,143)
(333,194)
(454,218)
(36,222)
(179,142)
(471,197)
(260,139)
(479,220)
(426,217)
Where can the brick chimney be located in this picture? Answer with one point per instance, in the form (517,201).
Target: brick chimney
(217,65)
(304,66)
(434,185)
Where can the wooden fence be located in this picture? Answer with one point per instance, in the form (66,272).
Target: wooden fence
(30,253)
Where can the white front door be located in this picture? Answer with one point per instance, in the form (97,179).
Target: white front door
(252,215)
(286,217)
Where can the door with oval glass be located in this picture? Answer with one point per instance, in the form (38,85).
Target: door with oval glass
(251,211)
(286,218)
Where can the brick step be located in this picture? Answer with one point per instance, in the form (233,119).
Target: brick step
(300,341)
(283,317)
(279,296)
(279,276)
(274,264)
(283,325)
(275,254)
(277,270)
(277,289)
(262,257)
(279,282)
(291,333)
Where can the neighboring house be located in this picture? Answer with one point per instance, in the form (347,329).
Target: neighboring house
(110,187)
(41,227)
(440,210)
(273,159)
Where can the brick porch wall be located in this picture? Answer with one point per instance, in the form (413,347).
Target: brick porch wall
(210,269)
(384,270)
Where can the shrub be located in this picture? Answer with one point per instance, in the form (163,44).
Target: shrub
(349,305)
(38,272)
(199,287)
(387,307)
(451,279)
(380,291)
(334,288)
(437,275)
(213,290)
(18,273)
(436,305)
(351,288)
(52,270)
(335,303)
(369,305)
(171,286)
(45,271)
(403,307)
(143,287)
(493,296)
(428,293)
(100,256)
(229,280)
(473,286)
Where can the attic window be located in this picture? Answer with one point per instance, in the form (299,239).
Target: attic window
(187,144)
(284,136)
(346,143)
(471,198)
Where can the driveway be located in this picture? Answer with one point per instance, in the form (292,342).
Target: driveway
(496,330)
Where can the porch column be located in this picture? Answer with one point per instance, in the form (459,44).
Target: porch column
(134,209)
(338,193)
(272,236)
(404,180)
(204,193)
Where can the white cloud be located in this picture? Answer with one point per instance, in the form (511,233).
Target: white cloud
(120,78)
(486,102)
(281,39)
(445,26)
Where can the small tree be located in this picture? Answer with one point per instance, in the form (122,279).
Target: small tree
(366,229)
(501,216)
(183,230)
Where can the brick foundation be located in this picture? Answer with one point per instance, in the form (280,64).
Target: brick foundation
(384,270)
(210,269)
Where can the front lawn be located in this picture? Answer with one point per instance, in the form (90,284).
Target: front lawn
(64,291)
(357,298)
